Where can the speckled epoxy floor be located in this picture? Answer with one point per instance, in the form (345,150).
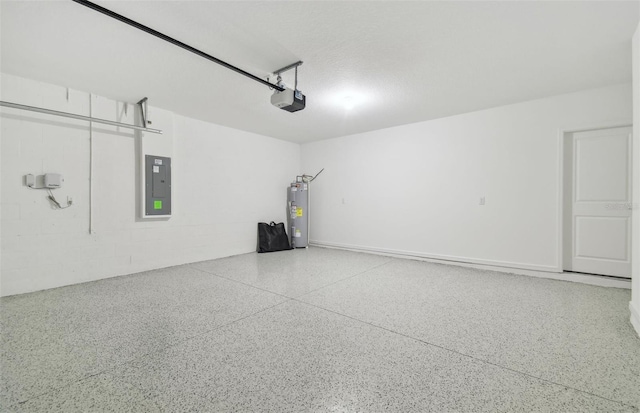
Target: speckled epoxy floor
(319,330)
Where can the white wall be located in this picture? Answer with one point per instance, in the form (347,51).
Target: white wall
(224,182)
(634,305)
(415,189)
(412,189)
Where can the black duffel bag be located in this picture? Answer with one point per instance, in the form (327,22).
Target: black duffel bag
(272,237)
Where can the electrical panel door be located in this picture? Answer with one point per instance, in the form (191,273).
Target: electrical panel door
(157,185)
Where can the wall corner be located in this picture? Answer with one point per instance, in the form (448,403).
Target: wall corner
(634,305)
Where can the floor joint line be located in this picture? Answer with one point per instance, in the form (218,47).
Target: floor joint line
(344,279)
(133,359)
(241,282)
(301,295)
(459,353)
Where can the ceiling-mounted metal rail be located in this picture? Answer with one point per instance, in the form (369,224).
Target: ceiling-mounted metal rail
(288,67)
(173,41)
(74,116)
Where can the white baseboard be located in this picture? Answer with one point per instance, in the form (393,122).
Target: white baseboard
(532,270)
(415,254)
(635,317)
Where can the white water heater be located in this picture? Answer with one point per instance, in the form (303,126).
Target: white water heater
(298,200)
(298,205)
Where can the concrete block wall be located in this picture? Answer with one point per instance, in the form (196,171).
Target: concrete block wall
(224,182)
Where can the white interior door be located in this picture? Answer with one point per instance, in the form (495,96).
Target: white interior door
(597,203)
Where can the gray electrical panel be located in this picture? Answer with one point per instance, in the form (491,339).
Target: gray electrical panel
(298,199)
(157,200)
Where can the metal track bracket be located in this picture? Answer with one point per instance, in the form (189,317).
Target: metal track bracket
(143,112)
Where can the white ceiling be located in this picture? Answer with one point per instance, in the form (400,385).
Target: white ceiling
(406,61)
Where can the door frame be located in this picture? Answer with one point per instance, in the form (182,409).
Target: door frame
(563,134)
